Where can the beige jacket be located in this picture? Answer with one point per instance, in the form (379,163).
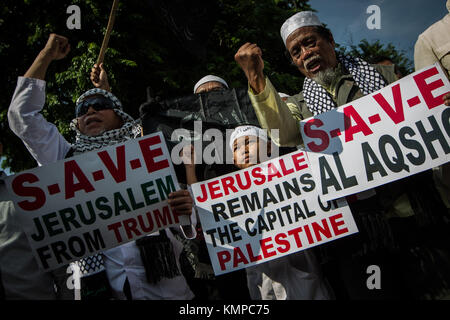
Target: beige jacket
(433,45)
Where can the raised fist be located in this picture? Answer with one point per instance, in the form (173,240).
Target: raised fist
(57,47)
(249,58)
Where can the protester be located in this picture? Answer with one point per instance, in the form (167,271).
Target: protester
(433,46)
(385,60)
(210,83)
(198,270)
(394,220)
(283,96)
(294,277)
(122,272)
(21,278)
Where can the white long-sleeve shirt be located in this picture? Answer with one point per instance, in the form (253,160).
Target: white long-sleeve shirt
(47,145)
(20,274)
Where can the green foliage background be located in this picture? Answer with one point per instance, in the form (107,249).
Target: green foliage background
(142,53)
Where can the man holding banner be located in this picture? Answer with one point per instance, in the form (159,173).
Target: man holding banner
(100,122)
(388,216)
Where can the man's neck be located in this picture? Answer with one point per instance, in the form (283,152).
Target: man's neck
(329,78)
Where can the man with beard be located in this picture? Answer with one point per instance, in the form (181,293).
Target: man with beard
(147,268)
(390,235)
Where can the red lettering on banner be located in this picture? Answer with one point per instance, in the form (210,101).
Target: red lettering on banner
(265,247)
(223,257)
(283,167)
(142,224)
(297,159)
(272,172)
(260,178)
(146,229)
(308,234)
(228,183)
(281,243)
(336,224)
(396,114)
(247,178)
(204,194)
(251,255)
(163,219)
(71,170)
(295,232)
(319,134)
(119,172)
(324,229)
(130,226)
(151,154)
(213,190)
(22,191)
(427,88)
(238,257)
(280,239)
(360,126)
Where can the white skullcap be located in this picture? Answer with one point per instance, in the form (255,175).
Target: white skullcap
(298,20)
(209,78)
(242,131)
(283,95)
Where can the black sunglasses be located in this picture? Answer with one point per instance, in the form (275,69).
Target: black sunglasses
(97,103)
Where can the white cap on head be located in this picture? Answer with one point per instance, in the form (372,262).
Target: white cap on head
(298,20)
(242,131)
(283,95)
(209,78)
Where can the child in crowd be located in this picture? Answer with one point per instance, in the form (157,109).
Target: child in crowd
(293,277)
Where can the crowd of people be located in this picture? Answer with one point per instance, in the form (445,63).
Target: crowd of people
(403,226)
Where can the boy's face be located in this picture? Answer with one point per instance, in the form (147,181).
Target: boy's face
(246,151)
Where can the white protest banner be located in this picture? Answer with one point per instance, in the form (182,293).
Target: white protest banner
(96,200)
(265,212)
(393,133)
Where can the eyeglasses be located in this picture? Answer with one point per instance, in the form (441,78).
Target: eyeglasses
(97,103)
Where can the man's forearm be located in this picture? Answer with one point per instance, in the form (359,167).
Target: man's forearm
(39,67)
(191,176)
(273,113)
(257,83)
(41,138)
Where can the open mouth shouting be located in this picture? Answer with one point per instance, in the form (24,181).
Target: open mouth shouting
(312,64)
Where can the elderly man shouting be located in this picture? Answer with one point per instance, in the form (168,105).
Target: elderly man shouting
(331,80)
(389,219)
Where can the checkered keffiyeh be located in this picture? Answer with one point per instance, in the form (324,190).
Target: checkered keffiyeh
(366,77)
(130,130)
(91,265)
